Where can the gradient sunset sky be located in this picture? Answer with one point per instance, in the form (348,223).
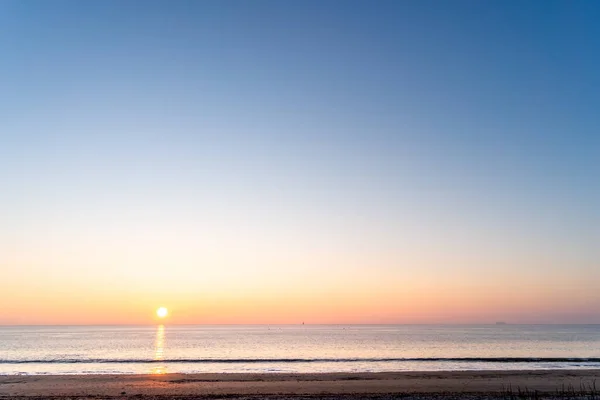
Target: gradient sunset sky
(287,161)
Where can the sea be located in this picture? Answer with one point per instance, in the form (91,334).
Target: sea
(160,349)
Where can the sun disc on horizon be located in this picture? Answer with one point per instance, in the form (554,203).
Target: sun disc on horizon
(162,312)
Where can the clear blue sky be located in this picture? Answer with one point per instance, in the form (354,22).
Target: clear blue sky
(449,145)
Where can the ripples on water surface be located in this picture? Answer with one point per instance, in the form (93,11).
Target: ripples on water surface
(302,348)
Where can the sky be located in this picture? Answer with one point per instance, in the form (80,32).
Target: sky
(287,161)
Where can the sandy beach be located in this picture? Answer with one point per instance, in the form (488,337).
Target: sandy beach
(460,384)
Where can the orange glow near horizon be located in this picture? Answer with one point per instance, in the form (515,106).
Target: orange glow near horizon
(325,297)
(349,304)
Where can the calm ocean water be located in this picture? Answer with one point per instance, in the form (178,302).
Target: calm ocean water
(303,348)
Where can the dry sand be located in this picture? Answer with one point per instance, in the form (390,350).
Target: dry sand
(385,385)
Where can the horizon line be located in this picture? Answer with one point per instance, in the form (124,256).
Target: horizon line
(316,324)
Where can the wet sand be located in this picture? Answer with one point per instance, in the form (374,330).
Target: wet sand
(460,384)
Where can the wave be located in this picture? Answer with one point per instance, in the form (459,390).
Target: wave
(301,360)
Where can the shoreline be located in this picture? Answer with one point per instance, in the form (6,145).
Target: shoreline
(489,384)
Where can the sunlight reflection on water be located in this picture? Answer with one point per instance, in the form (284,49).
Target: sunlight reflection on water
(159,348)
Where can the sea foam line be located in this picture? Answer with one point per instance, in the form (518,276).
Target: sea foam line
(299,360)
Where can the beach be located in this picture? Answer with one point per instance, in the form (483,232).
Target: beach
(457,384)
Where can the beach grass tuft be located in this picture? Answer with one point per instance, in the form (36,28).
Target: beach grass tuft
(585,391)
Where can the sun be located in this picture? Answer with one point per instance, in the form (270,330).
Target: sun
(162,312)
